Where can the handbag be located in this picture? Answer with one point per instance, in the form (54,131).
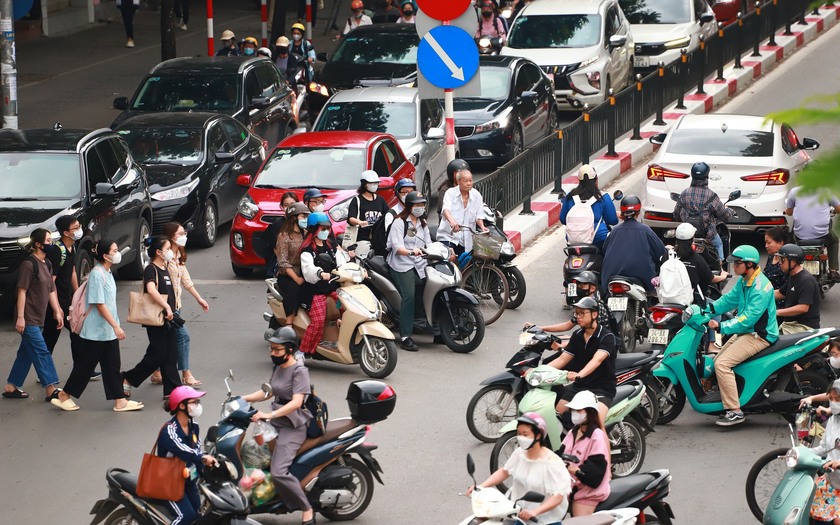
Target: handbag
(142,308)
(351,232)
(161,478)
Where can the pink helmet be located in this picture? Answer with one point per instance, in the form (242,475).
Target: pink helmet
(536,421)
(181,394)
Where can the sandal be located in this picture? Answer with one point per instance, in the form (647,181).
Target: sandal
(52,396)
(156,379)
(68,405)
(17,393)
(130,406)
(190,380)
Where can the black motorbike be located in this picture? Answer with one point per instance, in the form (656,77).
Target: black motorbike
(495,222)
(816,262)
(488,45)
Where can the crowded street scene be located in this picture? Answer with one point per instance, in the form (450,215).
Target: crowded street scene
(562,262)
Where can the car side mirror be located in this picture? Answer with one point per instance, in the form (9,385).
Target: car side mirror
(528,95)
(121,103)
(675,197)
(223,157)
(618,40)
(437,133)
(705,18)
(260,102)
(658,139)
(809,144)
(104,189)
(734,195)
(321,57)
(386,183)
(244,180)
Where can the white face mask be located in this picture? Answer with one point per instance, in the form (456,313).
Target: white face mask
(181,241)
(195,411)
(372,187)
(835,407)
(168,255)
(401,197)
(578,417)
(77,235)
(116,258)
(834,361)
(324,235)
(302,223)
(318,208)
(418,211)
(297,37)
(524,442)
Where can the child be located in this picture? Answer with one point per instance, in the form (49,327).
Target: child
(826,505)
(588,442)
(834,361)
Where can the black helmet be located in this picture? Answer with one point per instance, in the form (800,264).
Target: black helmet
(630,205)
(284,335)
(700,171)
(455,166)
(587,303)
(415,197)
(792,252)
(586,277)
(312,193)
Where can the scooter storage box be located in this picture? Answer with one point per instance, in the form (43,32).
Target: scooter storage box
(370,401)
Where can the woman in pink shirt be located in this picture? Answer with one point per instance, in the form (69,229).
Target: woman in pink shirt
(588,442)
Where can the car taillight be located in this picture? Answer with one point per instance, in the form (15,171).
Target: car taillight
(772,178)
(659,174)
(619,288)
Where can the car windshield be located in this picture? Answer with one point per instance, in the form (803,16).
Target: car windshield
(545,31)
(164,146)
(714,142)
(495,83)
(398,119)
(656,11)
(39,176)
(376,49)
(325,168)
(188,92)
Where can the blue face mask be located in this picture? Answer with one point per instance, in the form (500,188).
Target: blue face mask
(302,223)
(248,51)
(323,234)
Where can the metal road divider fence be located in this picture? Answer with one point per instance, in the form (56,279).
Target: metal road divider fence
(548,160)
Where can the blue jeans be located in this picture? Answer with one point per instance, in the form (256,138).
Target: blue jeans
(33,351)
(717,242)
(182,335)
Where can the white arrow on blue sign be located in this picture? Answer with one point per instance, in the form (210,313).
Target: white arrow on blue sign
(447,57)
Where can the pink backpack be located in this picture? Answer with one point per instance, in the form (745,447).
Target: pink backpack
(78,314)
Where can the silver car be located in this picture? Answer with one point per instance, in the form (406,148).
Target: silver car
(416,123)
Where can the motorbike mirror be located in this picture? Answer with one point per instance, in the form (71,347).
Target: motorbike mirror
(229,380)
(675,197)
(735,195)
(532,497)
(618,195)
(266,388)
(561,195)
(471,467)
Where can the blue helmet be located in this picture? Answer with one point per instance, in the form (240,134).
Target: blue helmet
(404,183)
(312,193)
(317,219)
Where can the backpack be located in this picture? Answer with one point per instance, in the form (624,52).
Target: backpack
(77,314)
(695,217)
(379,234)
(674,283)
(320,415)
(580,221)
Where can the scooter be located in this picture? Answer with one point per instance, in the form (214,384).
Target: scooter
(768,381)
(624,425)
(337,485)
(450,312)
(360,338)
(628,303)
(488,45)
(225,504)
(816,262)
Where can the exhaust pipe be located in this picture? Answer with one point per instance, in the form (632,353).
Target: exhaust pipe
(825,288)
(267,317)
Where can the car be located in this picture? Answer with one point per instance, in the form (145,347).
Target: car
(584,46)
(47,173)
(250,89)
(726,11)
(662,28)
(368,56)
(191,162)
(331,161)
(749,153)
(416,123)
(515,109)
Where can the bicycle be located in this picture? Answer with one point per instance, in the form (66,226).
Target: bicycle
(481,276)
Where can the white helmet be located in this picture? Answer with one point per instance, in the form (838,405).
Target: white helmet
(370,176)
(586,171)
(685,232)
(264,51)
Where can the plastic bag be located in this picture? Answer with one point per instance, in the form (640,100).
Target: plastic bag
(266,431)
(263,492)
(255,456)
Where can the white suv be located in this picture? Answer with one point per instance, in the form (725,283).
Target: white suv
(584,46)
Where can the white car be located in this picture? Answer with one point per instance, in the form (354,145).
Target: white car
(661,28)
(760,158)
(584,46)
(416,123)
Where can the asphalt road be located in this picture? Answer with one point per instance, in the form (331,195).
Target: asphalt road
(53,463)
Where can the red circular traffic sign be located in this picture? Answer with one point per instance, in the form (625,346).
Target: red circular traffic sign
(444,9)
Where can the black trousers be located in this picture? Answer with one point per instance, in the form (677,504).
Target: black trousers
(127,9)
(162,353)
(52,333)
(182,10)
(89,354)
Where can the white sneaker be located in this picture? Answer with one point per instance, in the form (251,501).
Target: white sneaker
(130,43)
(182,27)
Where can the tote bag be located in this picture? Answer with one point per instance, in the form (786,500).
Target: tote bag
(161,478)
(142,309)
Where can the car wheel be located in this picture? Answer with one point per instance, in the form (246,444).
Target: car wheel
(553,119)
(85,264)
(517,142)
(134,270)
(209,226)
(241,271)
(426,185)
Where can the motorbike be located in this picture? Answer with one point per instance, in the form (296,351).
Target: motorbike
(623,424)
(449,312)
(337,484)
(628,303)
(721,227)
(302,88)
(488,45)
(360,338)
(495,404)
(768,381)
(224,503)
(816,262)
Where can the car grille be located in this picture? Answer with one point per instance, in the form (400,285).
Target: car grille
(561,81)
(270,219)
(649,49)
(11,253)
(161,216)
(464,131)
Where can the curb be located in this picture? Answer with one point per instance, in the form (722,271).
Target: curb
(522,229)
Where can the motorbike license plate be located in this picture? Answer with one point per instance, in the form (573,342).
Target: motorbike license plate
(617,303)
(813,267)
(642,62)
(571,290)
(658,336)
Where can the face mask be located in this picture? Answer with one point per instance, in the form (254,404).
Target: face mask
(418,211)
(195,411)
(486,14)
(578,417)
(297,37)
(372,187)
(279,360)
(357,15)
(835,407)
(324,235)
(408,14)
(302,223)
(168,255)
(116,258)
(525,442)
(401,197)
(834,361)
(248,51)
(181,241)
(319,208)
(77,235)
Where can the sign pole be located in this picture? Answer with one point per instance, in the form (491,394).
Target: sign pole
(449,114)
(309,20)
(8,64)
(264,22)
(210,45)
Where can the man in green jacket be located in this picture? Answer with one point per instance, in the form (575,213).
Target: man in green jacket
(754,329)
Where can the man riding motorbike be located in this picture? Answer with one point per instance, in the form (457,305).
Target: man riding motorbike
(800,294)
(812,220)
(698,201)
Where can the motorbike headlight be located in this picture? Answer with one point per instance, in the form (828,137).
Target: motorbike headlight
(320,89)
(340,211)
(507,248)
(535,378)
(678,42)
(178,192)
(499,122)
(792,458)
(484,42)
(353,303)
(247,207)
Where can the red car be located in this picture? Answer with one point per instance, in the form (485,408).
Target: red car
(331,161)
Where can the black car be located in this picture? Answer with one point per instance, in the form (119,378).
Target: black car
(251,90)
(368,56)
(192,161)
(516,109)
(46,173)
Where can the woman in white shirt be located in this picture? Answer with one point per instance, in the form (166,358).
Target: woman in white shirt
(406,240)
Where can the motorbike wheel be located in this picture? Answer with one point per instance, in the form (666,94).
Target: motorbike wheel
(628,331)
(650,406)
(120,517)
(516,284)
(467,332)
(502,450)
(671,400)
(379,359)
(490,287)
(627,440)
(362,489)
(764,476)
(489,410)
(811,381)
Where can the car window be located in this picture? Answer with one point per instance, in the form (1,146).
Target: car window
(324,168)
(555,31)
(236,133)
(216,140)
(392,153)
(380,162)
(495,84)
(377,49)
(187,93)
(395,118)
(121,156)
(109,160)
(95,169)
(700,7)
(270,80)
(611,25)
(790,142)
(657,11)
(522,82)
(715,142)
(164,145)
(533,75)
(30,176)
(252,86)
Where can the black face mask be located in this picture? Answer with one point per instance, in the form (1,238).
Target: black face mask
(486,14)
(408,13)
(280,360)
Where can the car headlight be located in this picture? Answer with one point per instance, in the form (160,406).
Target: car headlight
(594,78)
(678,42)
(247,207)
(320,89)
(499,122)
(178,192)
(588,62)
(792,458)
(507,248)
(340,211)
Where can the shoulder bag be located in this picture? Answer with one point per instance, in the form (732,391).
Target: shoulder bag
(161,478)
(142,308)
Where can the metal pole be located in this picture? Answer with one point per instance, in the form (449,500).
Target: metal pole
(738,42)
(585,138)
(211,46)
(637,113)
(772,41)
(449,115)
(309,20)
(529,189)
(803,8)
(788,31)
(701,53)
(8,66)
(660,95)
(558,163)
(757,22)
(611,125)
(264,22)
(681,79)
(721,55)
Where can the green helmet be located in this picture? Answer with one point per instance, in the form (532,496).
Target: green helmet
(744,253)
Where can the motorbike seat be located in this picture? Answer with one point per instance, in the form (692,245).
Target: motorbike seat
(782,342)
(633,360)
(377,264)
(632,280)
(602,519)
(335,428)
(622,392)
(621,488)
(810,242)
(581,248)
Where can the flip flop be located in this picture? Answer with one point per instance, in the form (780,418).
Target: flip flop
(130,406)
(17,393)
(191,381)
(68,405)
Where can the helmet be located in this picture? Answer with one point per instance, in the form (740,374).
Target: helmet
(252,40)
(536,421)
(586,277)
(370,176)
(630,205)
(415,197)
(296,209)
(404,183)
(312,193)
(792,252)
(455,166)
(745,253)
(282,42)
(587,171)
(685,232)
(357,4)
(300,27)
(181,394)
(587,303)
(700,171)
(317,219)
(583,399)
(284,335)
(227,34)
(264,51)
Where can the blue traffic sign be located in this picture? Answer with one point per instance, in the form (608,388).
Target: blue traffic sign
(447,57)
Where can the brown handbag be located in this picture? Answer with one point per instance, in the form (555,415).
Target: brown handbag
(161,478)
(142,308)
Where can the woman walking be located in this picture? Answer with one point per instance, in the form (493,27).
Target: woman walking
(287,250)
(127,9)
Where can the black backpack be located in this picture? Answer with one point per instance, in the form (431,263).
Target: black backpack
(695,216)
(320,415)
(379,234)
